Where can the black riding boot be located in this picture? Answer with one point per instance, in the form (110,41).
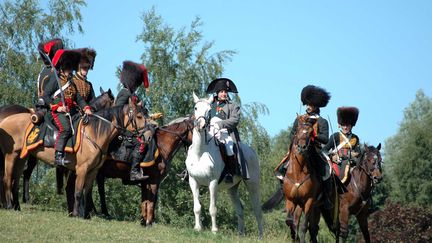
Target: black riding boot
(230,169)
(328,185)
(60,159)
(184,175)
(136,172)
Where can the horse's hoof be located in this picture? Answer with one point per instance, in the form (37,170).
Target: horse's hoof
(214,230)
(197,228)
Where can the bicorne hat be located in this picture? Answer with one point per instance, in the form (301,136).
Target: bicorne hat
(50,48)
(133,75)
(221,84)
(315,96)
(347,115)
(67,59)
(88,57)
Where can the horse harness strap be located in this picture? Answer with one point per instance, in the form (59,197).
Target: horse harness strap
(298,184)
(359,193)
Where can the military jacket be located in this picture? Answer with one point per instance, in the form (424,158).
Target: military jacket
(322,132)
(84,87)
(46,76)
(229,112)
(346,151)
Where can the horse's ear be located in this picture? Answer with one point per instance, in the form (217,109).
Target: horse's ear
(109,91)
(379,146)
(366,148)
(210,99)
(101,90)
(195,97)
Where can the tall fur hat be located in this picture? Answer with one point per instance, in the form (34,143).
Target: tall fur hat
(221,84)
(347,115)
(67,59)
(315,96)
(50,47)
(133,75)
(88,57)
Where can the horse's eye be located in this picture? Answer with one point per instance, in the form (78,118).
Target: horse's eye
(139,116)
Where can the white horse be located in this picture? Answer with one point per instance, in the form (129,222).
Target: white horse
(204,164)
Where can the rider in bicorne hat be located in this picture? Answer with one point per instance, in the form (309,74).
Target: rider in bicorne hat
(314,98)
(65,61)
(132,76)
(226,129)
(85,87)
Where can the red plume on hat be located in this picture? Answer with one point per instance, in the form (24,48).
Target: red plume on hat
(347,115)
(133,75)
(50,47)
(67,59)
(315,96)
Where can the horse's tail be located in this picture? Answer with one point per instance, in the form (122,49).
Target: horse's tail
(274,200)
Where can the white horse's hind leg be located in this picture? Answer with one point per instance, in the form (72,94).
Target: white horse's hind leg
(213,187)
(235,198)
(255,197)
(197,206)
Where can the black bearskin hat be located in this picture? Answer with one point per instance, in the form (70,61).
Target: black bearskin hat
(315,96)
(221,84)
(347,115)
(67,59)
(88,57)
(50,48)
(133,75)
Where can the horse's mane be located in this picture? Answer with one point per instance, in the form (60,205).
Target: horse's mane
(177,120)
(99,126)
(97,103)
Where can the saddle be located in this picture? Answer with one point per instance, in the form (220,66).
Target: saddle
(121,148)
(45,134)
(342,171)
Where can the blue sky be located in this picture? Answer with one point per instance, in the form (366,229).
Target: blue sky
(373,55)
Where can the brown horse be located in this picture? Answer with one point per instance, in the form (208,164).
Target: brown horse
(168,139)
(96,136)
(357,200)
(301,184)
(104,100)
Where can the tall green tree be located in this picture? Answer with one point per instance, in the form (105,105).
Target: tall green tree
(409,155)
(24,24)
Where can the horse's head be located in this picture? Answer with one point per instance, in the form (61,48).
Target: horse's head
(304,133)
(371,162)
(202,112)
(105,100)
(135,115)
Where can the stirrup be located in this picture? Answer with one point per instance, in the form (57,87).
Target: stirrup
(229,178)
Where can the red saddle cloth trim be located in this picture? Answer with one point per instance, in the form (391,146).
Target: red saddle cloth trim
(335,169)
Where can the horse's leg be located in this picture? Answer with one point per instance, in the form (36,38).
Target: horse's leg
(70,189)
(235,198)
(88,189)
(314,217)
(362,220)
(31,164)
(197,206)
(213,190)
(10,161)
(81,172)
(290,207)
(60,173)
(253,188)
(148,202)
(100,181)
(343,222)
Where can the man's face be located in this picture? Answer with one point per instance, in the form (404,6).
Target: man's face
(346,129)
(222,95)
(310,108)
(83,71)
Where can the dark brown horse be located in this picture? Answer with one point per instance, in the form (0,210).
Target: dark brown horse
(357,200)
(96,136)
(301,184)
(168,139)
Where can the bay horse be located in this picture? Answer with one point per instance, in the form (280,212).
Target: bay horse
(102,127)
(205,165)
(363,177)
(301,185)
(168,139)
(104,100)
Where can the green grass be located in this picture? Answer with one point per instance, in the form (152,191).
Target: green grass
(33,224)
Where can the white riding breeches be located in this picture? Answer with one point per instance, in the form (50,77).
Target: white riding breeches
(223,136)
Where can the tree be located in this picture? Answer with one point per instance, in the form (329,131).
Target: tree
(24,24)
(408,154)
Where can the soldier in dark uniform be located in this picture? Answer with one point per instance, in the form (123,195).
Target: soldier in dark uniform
(46,75)
(131,77)
(84,86)
(314,98)
(226,129)
(344,146)
(65,61)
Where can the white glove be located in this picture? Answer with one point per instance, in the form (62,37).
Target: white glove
(216,127)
